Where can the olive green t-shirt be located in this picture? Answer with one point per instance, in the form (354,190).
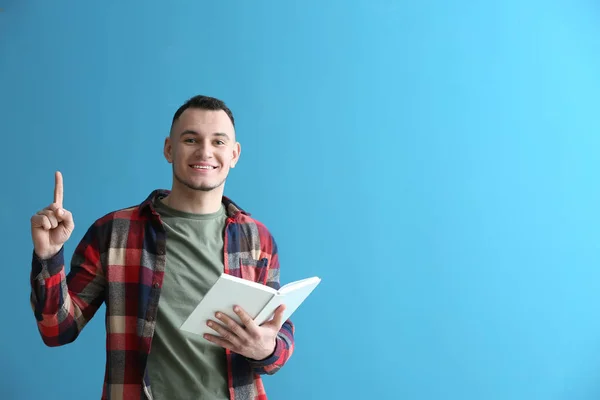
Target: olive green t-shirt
(182,365)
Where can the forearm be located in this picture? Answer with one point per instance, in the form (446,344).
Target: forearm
(51,302)
(63,304)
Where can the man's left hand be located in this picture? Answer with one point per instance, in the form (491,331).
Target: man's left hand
(249,339)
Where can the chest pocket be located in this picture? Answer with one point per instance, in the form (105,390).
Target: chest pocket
(253,269)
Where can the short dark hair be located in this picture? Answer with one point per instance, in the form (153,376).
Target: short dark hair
(205,103)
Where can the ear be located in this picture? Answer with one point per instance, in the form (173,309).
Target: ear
(168,150)
(237,150)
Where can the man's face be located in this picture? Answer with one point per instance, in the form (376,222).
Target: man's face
(202,148)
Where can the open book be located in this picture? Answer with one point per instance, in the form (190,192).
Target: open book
(259,301)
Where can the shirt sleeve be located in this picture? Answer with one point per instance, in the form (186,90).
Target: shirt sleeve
(285,338)
(63,304)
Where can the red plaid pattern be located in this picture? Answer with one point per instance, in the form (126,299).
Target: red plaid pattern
(120,261)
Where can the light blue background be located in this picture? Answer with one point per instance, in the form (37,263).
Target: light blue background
(435,162)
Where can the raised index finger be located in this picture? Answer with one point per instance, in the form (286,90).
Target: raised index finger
(58,188)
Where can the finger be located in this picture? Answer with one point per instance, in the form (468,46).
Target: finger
(46,224)
(226,334)
(49,214)
(58,188)
(41,221)
(232,325)
(246,319)
(54,207)
(219,341)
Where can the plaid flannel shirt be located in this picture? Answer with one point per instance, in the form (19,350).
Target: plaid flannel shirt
(120,261)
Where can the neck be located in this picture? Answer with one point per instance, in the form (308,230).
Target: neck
(194,201)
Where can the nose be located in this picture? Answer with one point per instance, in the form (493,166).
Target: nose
(203,151)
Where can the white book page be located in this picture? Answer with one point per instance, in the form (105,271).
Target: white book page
(292,295)
(313,281)
(222,296)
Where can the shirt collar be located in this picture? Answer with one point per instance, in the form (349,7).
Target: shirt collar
(231,208)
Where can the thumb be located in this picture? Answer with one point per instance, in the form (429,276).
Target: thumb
(278,317)
(67,219)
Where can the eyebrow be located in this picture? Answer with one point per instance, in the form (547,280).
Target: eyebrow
(192,132)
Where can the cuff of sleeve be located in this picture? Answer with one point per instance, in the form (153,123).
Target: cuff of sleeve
(45,268)
(272,359)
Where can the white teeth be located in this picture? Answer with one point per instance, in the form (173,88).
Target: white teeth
(202,167)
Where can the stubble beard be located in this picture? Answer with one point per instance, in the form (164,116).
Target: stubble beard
(201,187)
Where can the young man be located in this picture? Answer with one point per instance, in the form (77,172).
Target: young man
(151,264)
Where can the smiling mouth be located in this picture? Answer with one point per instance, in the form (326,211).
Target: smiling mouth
(203,167)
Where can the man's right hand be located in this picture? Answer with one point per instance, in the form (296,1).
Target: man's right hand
(52,226)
